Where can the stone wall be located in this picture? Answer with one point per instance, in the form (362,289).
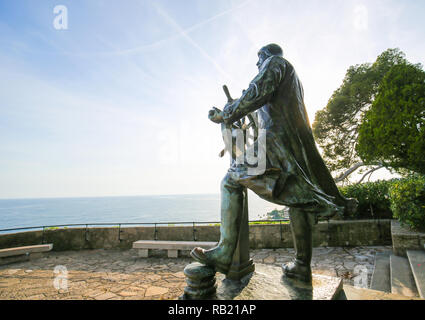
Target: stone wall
(332,234)
(405,239)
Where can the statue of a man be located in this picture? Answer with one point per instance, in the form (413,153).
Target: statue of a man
(295,174)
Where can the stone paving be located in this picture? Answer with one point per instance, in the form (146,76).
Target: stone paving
(121,274)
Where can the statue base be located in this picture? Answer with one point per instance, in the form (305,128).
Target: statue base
(201,282)
(268,283)
(239,271)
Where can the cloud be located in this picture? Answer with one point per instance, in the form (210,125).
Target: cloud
(186,36)
(361,17)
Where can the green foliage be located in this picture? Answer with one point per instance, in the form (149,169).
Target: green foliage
(373,199)
(393,129)
(403,199)
(268,222)
(408,201)
(336,126)
(276,215)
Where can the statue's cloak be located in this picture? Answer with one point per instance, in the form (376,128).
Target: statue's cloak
(295,175)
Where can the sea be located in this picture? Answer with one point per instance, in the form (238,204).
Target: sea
(21,213)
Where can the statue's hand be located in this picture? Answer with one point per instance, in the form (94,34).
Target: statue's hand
(215,115)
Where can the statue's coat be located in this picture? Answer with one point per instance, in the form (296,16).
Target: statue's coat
(296,175)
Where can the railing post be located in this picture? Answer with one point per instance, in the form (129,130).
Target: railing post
(194,232)
(156,233)
(87,233)
(280,226)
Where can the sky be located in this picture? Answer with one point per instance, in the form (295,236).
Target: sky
(116,103)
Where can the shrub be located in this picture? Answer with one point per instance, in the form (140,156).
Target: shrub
(268,222)
(407,198)
(276,214)
(373,199)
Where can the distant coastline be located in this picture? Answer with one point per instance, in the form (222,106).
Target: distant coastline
(28,212)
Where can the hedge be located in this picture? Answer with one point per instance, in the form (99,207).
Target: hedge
(373,197)
(408,202)
(402,199)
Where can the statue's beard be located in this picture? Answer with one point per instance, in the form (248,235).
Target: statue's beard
(261,65)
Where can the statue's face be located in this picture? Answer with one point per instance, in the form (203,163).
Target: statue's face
(262,56)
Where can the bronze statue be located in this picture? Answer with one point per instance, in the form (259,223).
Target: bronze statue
(295,174)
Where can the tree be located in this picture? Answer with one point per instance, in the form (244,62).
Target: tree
(336,126)
(393,129)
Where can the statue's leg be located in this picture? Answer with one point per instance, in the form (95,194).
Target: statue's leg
(302,224)
(232,199)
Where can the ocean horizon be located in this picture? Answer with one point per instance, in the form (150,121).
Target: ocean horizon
(31,212)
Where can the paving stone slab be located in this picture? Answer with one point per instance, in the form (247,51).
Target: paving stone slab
(154,291)
(354,293)
(381,279)
(402,281)
(417,264)
(105,296)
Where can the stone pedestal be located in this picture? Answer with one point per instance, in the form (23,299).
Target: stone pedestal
(268,283)
(201,282)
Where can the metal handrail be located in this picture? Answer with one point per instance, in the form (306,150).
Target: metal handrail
(119,224)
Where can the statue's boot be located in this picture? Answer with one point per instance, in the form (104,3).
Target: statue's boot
(220,257)
(302,224)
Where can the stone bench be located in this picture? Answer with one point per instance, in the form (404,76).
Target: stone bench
(173,247)
(19,254)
